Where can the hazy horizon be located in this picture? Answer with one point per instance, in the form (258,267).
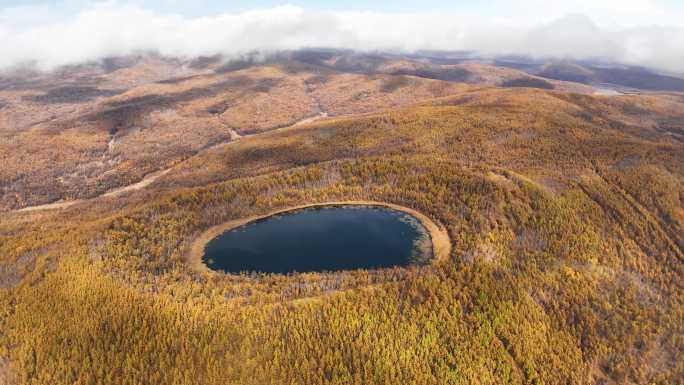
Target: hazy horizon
(646,33)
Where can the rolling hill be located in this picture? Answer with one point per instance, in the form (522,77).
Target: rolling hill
(565,211)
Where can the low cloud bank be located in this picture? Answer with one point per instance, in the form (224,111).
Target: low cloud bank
(106,30)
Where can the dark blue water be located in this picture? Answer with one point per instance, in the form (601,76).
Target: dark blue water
(327,238)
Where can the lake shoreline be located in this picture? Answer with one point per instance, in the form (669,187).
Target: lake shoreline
(441,243)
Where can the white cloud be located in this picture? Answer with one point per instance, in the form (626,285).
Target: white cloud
(623,13)
(81,33)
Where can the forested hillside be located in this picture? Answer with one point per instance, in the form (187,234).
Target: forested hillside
(565,213)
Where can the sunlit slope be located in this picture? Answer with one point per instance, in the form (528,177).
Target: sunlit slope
(565,214)
(550,137)
(66,138)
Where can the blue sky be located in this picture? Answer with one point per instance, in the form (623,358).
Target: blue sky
(632,11)
(210,6)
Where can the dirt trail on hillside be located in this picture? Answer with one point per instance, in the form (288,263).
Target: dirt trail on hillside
(146,181)
(50,206)
(312,119)
(151,178)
